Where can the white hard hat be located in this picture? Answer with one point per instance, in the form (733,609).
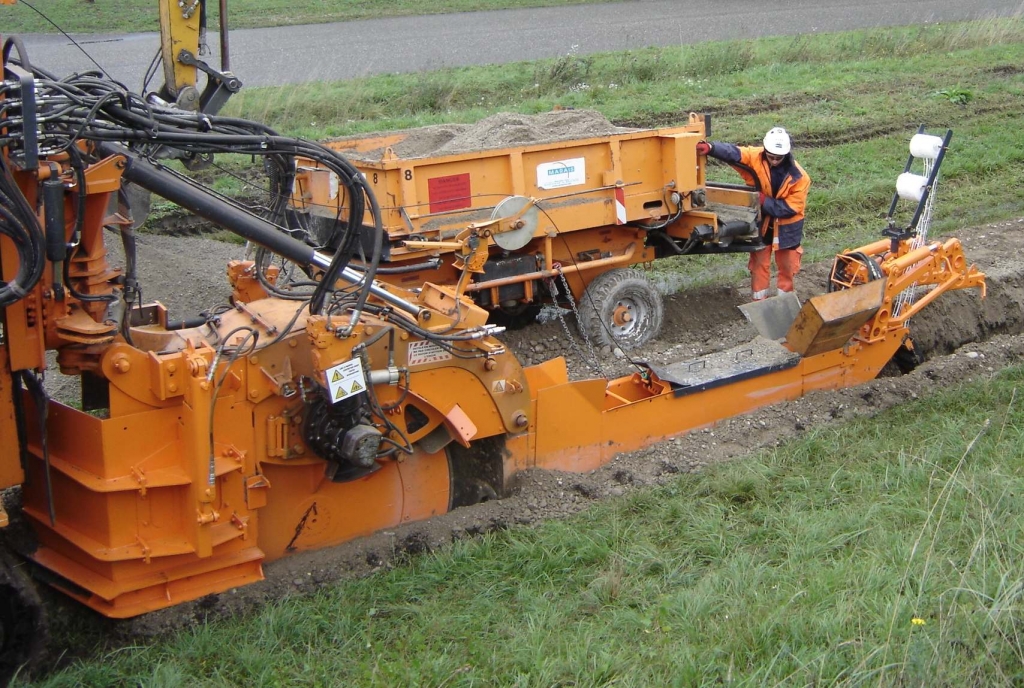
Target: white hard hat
(776,141)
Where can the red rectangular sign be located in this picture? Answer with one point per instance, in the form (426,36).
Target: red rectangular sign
(449,193)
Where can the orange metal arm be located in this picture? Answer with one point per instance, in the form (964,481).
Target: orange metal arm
(940,264)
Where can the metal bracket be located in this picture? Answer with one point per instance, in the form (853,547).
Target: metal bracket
(219,85)
(30,141)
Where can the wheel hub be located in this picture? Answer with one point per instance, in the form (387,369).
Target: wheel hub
(621,308)
(625,315)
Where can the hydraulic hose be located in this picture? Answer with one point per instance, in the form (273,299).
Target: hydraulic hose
(19,224)
(255,229)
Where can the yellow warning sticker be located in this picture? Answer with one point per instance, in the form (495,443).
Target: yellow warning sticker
(345,379)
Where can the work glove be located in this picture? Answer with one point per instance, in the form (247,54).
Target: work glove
(703,147)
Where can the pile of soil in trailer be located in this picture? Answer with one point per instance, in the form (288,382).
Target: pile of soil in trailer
(962,336)
(502,130)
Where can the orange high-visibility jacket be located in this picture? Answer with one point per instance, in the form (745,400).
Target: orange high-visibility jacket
(783,209)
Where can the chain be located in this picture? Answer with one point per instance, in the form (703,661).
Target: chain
(593,363)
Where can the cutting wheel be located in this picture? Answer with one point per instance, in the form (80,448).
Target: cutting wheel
(517,238)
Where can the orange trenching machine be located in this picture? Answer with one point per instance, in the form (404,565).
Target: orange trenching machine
(282,422)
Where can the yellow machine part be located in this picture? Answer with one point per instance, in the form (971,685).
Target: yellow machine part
(179,30)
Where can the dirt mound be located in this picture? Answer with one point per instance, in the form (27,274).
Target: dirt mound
(503,130)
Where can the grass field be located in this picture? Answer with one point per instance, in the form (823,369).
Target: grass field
(878,552)
(851,101)
(129,16)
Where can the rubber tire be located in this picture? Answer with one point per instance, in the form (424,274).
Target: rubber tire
(632,289)
(23,630)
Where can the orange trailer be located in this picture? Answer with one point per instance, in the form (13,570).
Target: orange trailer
(578,212)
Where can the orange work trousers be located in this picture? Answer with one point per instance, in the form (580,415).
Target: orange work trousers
(787,262)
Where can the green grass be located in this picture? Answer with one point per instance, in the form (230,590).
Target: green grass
(127,16)
(805,564)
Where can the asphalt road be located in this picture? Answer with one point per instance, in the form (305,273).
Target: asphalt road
(327,52)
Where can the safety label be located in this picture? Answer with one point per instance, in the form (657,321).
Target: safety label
(449,193)
(426,351)
(555,175)
(345,379)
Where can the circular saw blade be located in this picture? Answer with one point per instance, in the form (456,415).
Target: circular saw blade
(515,239)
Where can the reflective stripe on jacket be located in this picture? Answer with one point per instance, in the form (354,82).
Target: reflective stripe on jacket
(783,209)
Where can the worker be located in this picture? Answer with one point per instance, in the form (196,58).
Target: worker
(782,185)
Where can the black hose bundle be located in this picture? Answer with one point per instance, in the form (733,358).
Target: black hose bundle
(91,107)
(19,224)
